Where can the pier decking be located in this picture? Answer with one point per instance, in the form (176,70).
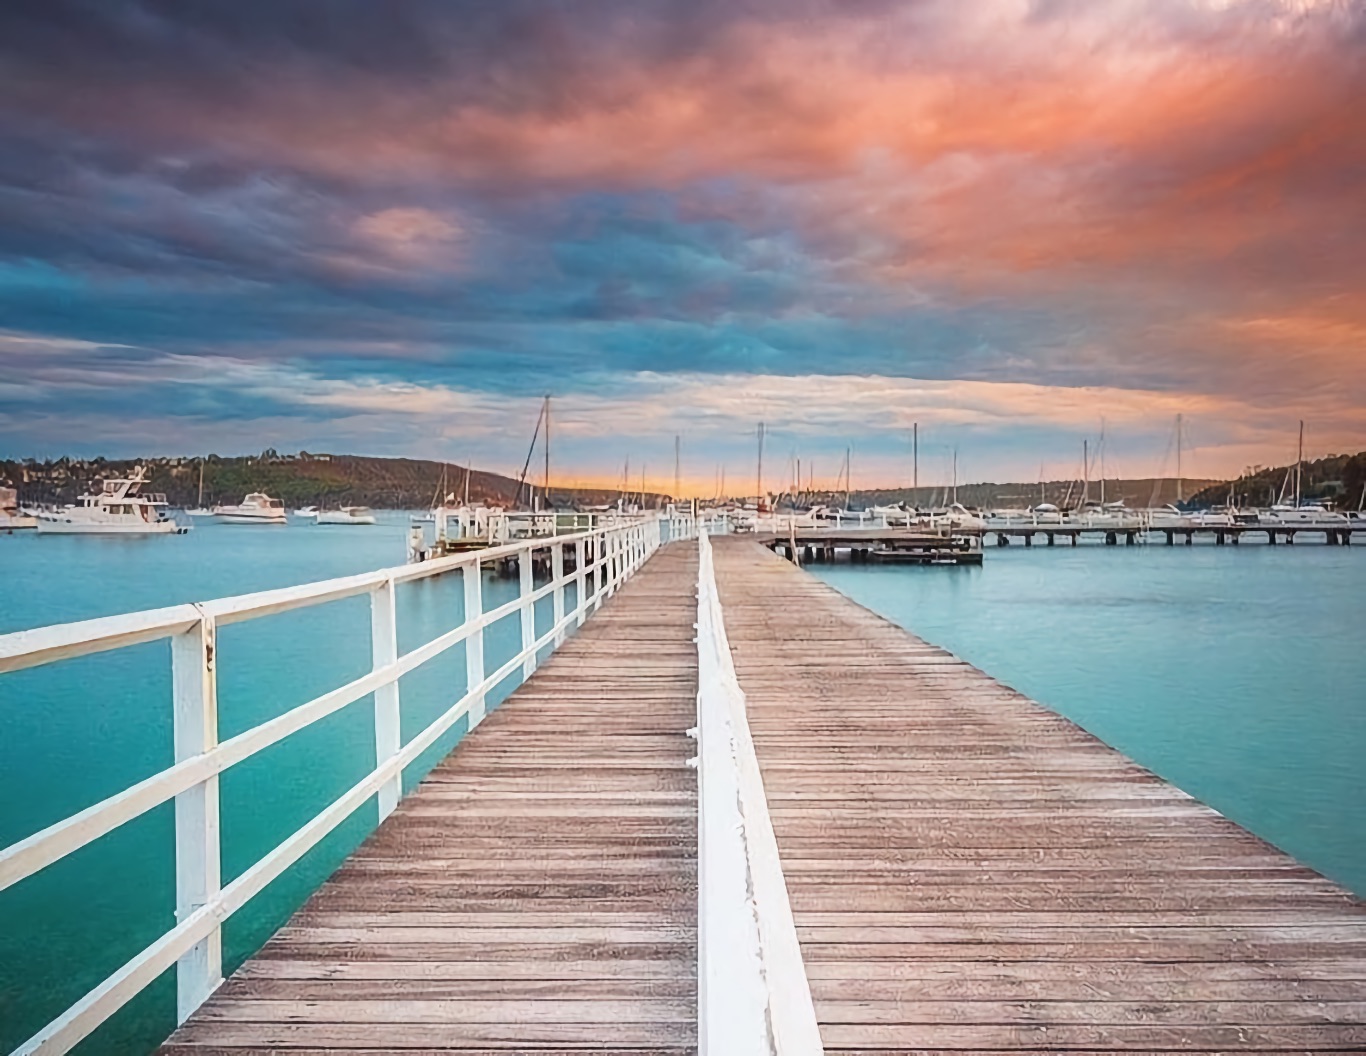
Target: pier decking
(968,872)
(537,892)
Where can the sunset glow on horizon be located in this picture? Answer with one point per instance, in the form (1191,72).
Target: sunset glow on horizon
(392,228)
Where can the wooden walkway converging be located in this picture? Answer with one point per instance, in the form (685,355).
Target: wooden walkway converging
(537,892)
(970,872)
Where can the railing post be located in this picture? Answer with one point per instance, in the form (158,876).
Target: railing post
(198,872)
(596,551)
(527,611)
(383,652)
(581,580)
(557,576)
(474,644)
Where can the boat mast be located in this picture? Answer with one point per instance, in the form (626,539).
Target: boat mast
(545,486)
(677,467)
(1299,468)
(759,471)
(915,463)
(1102,462)
(1178,458)
(1085,471)
(955,476)
(848,474)
(200,504)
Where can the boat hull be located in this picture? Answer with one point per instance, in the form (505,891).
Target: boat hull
(250,518)
(58,526)
(335,518)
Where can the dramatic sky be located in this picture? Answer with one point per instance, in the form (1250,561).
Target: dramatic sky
(390,227)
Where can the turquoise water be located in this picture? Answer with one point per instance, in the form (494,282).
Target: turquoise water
(74,732)
(1239,674)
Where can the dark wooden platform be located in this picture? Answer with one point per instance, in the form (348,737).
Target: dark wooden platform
(536,893)
(969,872)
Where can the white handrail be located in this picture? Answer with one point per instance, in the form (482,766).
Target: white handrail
(753,995)
(604,558)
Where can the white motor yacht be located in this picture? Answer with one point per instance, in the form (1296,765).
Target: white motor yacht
(256,508)
(118,508)
(347,515)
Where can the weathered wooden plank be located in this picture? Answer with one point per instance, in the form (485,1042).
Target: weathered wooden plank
(537,893)
(970,872)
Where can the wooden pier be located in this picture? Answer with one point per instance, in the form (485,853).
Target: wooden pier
(1050,534)
(912,546)
(969,871)
(537,892)
(965,871)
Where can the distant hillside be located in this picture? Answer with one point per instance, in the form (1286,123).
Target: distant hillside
(1136,493)
(1337,478)
(300,480)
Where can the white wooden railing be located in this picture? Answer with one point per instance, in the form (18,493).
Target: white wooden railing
(602,560)
(753,994)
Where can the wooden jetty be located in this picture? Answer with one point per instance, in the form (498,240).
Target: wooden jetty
(969,871)
(1332,535)
(958,869)
(537,892)
(913,546)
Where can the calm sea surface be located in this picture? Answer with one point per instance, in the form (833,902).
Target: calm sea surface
(1239,674)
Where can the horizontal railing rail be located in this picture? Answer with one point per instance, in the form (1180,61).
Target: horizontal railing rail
(603,559)
(753,995)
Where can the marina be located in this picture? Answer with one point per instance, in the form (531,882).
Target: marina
(751,529)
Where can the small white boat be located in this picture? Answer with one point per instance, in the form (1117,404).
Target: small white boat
(306,511)
(347,515)
(894,516)
(117,508)
(256,508)
(1168,516)
(1303,515)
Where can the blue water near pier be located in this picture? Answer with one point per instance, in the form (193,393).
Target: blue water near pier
(74,732)
(1236,673)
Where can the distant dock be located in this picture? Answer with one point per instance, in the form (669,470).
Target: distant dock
(1049,534)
